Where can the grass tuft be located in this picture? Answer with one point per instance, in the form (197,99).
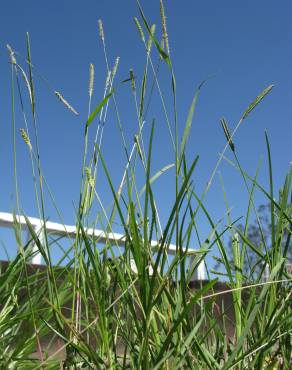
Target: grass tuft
(119,301)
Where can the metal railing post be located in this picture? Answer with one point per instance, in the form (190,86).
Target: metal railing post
(266,272)
(200,272)
(69,231)
(37,257)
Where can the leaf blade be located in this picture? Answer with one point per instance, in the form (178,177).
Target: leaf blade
(98,108)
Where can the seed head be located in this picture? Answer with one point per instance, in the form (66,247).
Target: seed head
(90,179)
(100,28)
(139,27)
(115,68)
(12,55)
(25,138)
(91,79)
(164,30)
(132,77)
(64,101)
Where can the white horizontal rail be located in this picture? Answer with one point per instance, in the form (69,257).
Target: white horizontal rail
(69,231)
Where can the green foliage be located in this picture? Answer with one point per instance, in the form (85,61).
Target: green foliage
(92,310)
(254,237)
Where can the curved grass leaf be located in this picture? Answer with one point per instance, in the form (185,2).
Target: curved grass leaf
(188,125)
(98,108)
(156,176)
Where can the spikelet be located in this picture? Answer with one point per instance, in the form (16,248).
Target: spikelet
(227,133)
(100,28)
(132,77)
(90,179)
(150,41)
(64,101)
(164,30)
(12,55)
(91,79)
(25,138)
(139,27)
(115,68)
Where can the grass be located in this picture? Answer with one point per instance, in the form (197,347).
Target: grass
(90,310)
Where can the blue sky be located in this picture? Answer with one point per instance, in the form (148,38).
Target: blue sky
(244,46)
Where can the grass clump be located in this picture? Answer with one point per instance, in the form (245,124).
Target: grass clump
(114,308)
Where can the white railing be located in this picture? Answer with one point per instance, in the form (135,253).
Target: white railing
(69,231)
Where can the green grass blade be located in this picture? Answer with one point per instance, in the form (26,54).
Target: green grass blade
(189,121)
(98,109)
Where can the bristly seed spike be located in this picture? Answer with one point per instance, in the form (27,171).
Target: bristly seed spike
(91,79)
(115,68)
(164,30)
(132,77)
(25,138)
(100,28)
(64,101)
(90,179)
(139,27)
(12,54)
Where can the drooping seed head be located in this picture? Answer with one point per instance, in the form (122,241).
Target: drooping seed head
(64,101)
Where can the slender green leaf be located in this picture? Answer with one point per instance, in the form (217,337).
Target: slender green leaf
(98,108)
(189,121)
(156,176)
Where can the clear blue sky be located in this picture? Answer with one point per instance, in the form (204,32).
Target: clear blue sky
(245,46)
